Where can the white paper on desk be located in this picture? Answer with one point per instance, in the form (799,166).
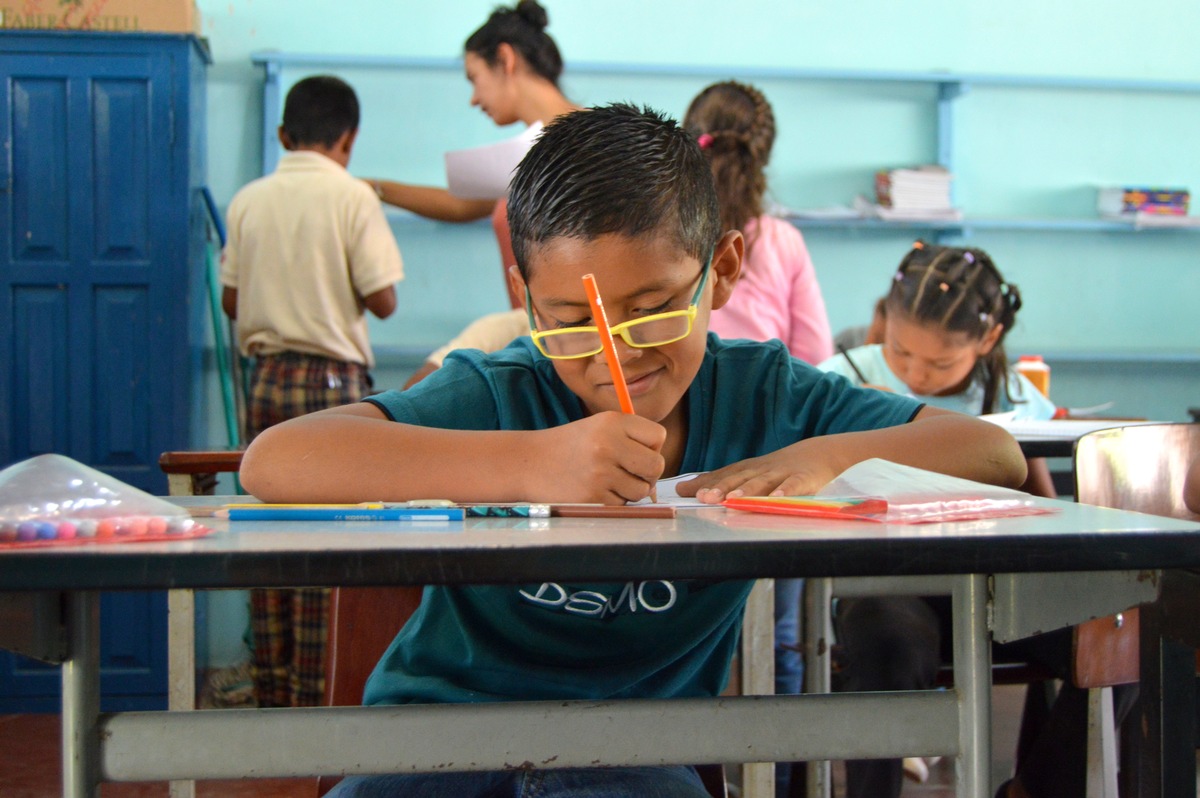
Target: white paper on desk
(669,494)
(484,172)
(917,496)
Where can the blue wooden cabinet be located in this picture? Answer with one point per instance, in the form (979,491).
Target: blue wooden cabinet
(102,238)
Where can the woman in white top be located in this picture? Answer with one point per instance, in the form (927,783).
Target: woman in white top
(513,66)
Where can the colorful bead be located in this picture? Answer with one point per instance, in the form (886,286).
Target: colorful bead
(177,526)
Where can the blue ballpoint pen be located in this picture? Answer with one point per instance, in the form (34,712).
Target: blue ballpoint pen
(342,514)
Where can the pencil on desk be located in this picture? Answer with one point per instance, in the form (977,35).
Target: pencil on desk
(846,354)
(612,511)
(610,353)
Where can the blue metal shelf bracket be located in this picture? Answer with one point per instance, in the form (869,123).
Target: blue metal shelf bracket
(272,112)
(948,92)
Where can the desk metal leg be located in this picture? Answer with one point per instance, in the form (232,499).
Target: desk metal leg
(818,636)
(81,697)
(181,665)
(1166,702)
(758,674)
(973,682)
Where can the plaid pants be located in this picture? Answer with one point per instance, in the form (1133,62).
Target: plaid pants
(290,626)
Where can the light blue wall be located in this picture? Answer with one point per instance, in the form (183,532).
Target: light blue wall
(1115,313)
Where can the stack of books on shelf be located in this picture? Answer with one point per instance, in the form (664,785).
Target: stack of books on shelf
(918,193)
(1146,207)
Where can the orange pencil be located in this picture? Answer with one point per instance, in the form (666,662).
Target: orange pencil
(606,340)
(610,353)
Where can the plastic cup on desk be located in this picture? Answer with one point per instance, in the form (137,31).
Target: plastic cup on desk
(1034,369)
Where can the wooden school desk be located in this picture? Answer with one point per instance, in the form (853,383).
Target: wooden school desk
(701,544)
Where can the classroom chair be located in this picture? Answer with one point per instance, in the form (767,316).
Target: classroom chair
(362,623)
(1142,468)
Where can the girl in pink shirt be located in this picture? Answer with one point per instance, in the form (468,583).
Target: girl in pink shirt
(777,295)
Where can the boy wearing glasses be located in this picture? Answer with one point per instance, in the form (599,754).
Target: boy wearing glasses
(627,196)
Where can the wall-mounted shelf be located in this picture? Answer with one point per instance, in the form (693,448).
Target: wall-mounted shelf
(950,86)
(946,127)
(967,226)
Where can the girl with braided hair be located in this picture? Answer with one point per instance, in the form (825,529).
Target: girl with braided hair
(777,294)
(948,310)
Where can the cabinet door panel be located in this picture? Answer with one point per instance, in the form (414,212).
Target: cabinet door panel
(40,152)
(121,390)
(121,204)
(41,392)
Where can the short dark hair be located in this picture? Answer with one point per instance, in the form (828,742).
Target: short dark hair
(319,109)
(522,27)
(613,169)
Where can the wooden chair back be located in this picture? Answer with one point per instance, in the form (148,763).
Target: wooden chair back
(1140,468)
(362,623)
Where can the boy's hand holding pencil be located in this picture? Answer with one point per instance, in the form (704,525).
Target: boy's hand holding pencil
(608,457)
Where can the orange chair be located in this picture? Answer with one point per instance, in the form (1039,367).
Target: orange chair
(362,623)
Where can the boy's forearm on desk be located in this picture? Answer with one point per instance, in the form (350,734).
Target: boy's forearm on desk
(372,459)
(936,440)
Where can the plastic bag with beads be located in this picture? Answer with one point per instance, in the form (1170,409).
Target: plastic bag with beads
(52,500)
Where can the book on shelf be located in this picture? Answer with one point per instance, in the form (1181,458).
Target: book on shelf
(920,193)
(918,188)
(1131,200)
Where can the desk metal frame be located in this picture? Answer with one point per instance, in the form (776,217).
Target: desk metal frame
(700,544)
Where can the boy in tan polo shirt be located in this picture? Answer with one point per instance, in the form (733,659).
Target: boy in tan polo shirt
(308,252)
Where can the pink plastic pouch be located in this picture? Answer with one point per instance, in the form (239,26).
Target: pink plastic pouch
(52,500)
(886,492)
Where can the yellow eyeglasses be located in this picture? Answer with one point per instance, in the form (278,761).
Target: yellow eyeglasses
(658,329)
